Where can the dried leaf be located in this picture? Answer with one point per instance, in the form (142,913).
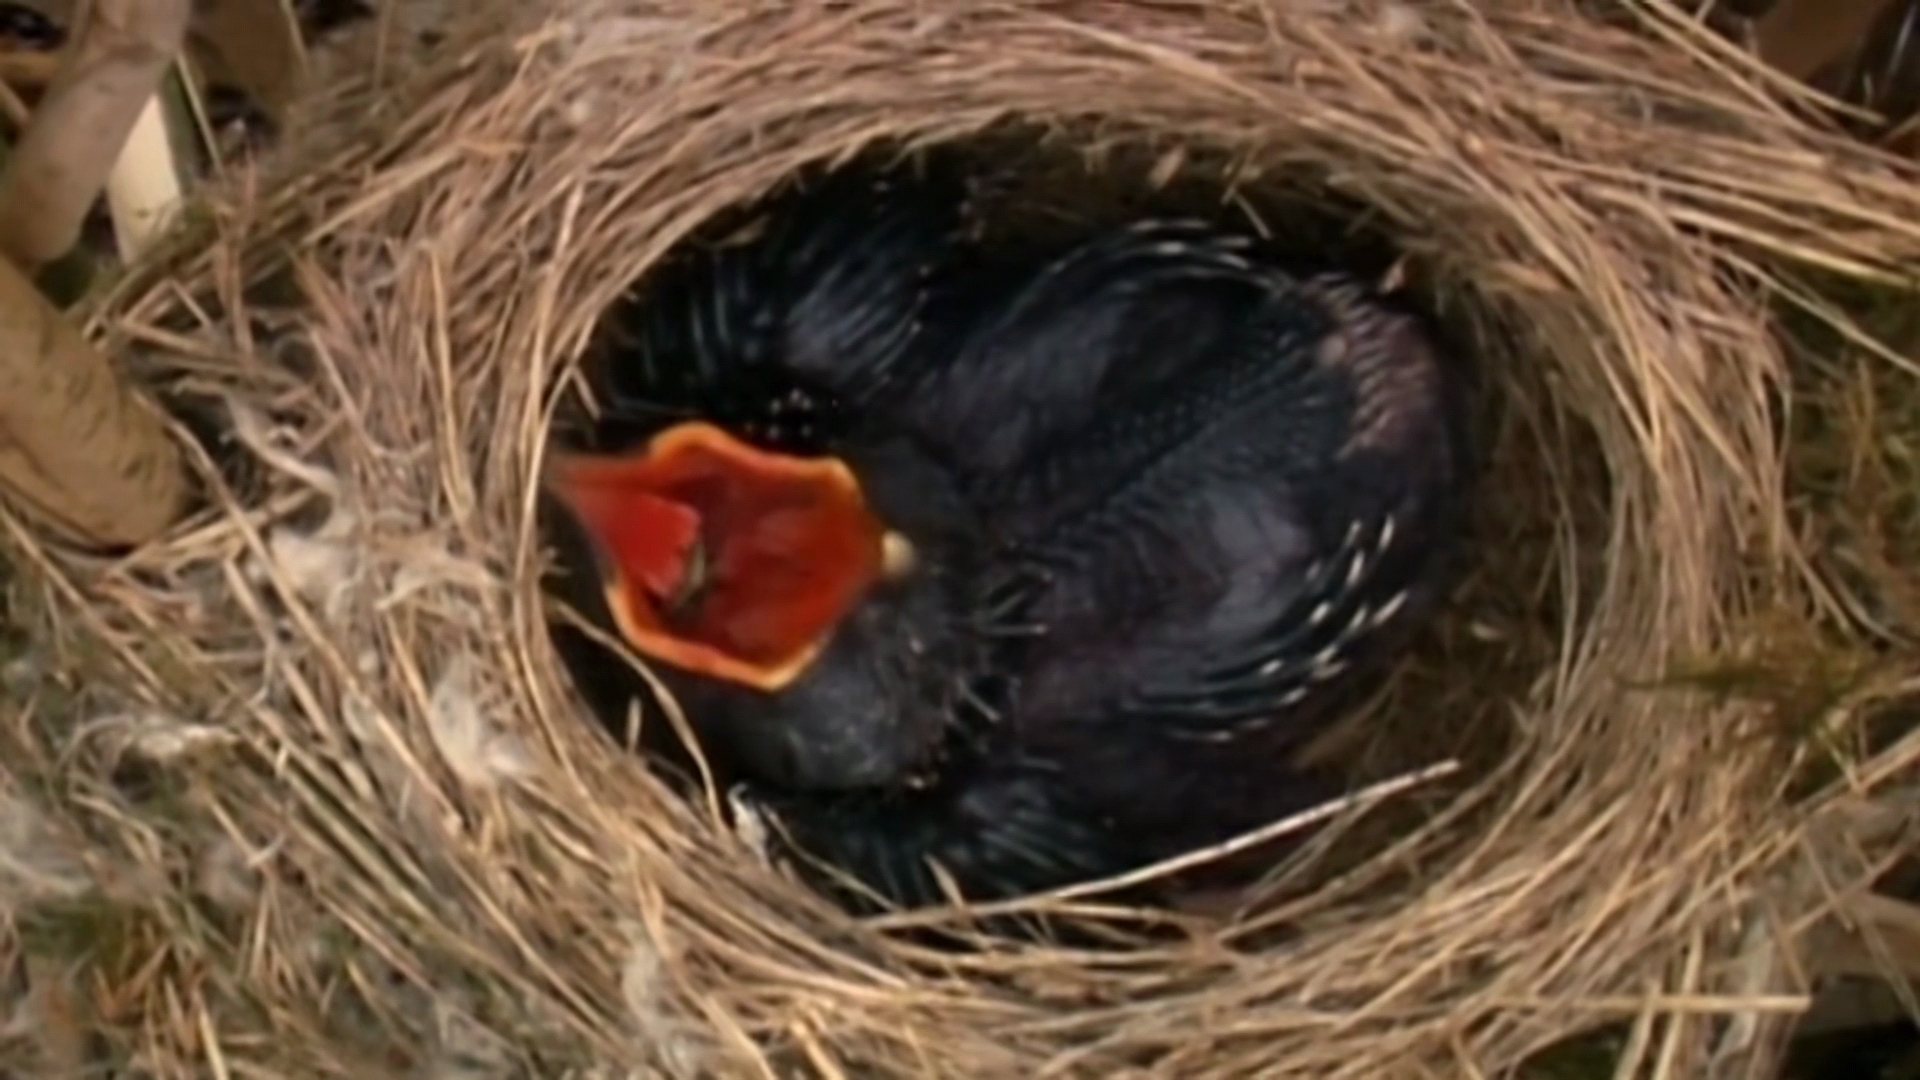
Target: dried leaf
(253,46)
(474,747)
(112,69)
(77,444)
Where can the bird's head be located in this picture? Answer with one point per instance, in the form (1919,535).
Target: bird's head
(724,560)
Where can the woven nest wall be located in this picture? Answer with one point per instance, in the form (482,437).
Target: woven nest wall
(350,819)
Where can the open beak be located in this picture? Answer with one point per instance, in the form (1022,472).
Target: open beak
(723,559)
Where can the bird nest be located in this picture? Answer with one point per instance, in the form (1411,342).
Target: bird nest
(334,808)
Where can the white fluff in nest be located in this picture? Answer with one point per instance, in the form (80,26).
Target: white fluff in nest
(23,673)
(226,875)
(467,1050)
(427,563)
(36,864)
(640,976)
(475,748)
(1402,22)
(1392,18)
(749,824)
(614,37)
(643,985)
(158,735)
(321,566)
(619,33)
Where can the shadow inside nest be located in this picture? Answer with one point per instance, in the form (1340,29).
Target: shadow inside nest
(1435,725)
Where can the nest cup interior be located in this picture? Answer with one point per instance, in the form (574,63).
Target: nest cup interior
(1438,718)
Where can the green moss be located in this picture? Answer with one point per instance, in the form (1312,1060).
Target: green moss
(95,930)
(1592,1056)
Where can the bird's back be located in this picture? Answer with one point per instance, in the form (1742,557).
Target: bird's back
(1025,349)
(1220,556)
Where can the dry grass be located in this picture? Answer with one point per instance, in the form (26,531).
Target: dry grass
(349,821)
